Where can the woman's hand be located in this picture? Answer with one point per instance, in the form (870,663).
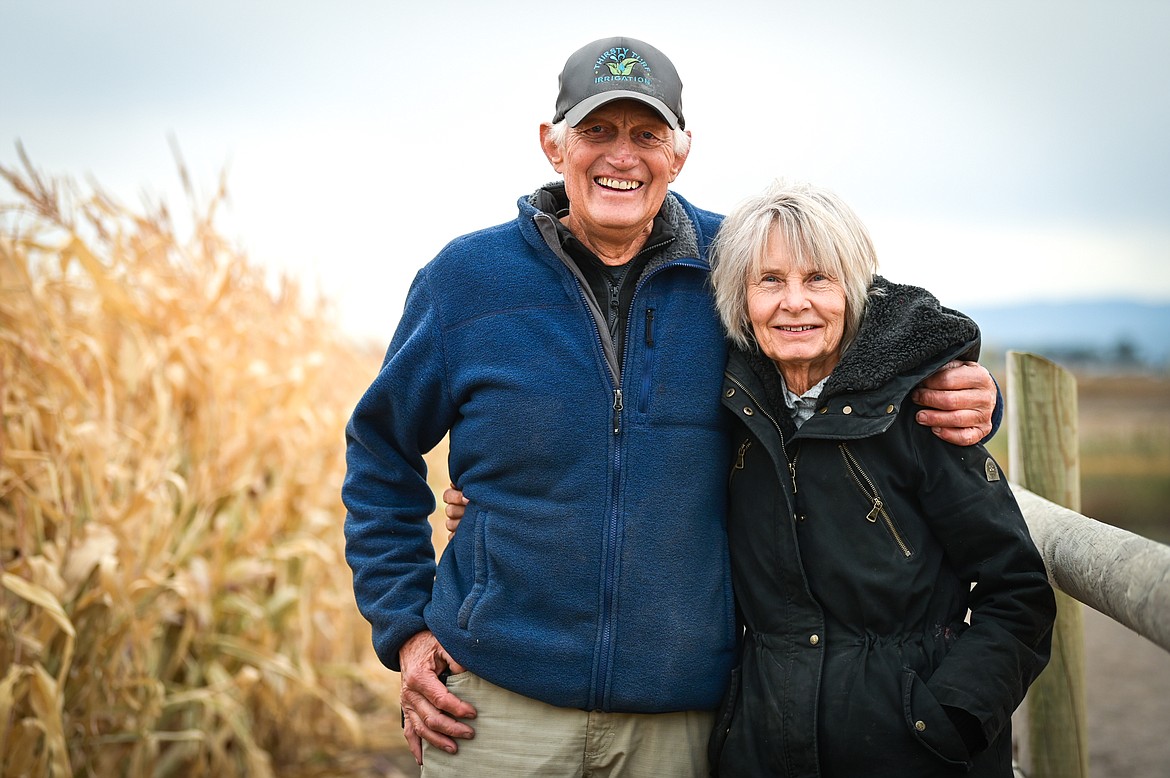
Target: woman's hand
(456,505)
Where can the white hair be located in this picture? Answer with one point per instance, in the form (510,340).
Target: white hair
(821,232)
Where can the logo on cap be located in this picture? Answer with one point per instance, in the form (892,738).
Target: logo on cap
(620,62)
(622,68)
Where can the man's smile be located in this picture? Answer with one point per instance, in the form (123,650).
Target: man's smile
(616,183)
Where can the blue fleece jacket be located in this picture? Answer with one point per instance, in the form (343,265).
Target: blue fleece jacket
(590,570)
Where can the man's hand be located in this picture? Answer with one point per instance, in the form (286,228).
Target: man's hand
(425,700)
(963,394)
(456,504)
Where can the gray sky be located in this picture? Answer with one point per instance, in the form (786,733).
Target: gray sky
(999,150)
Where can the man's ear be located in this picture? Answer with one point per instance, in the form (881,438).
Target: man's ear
(680,160)
(553,152)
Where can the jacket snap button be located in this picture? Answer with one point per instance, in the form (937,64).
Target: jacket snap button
(889,409)
(848,409)
(814,639)
(731,393)
(920,726)
(747,411)
(825,409)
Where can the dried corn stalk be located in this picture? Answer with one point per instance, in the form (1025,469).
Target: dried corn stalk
(173,597)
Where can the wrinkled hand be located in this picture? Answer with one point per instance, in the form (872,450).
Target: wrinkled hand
(429,711)
(962,395)
(456,504)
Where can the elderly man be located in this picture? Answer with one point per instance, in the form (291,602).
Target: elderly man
(583,613)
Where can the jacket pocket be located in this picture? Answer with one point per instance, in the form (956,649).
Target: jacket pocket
(879,512)
(481,571)
(723,716)
(928,722)
(646,374)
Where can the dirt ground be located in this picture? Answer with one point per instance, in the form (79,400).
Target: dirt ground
(1127,699)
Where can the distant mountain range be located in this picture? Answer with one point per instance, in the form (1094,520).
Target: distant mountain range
(1088,330)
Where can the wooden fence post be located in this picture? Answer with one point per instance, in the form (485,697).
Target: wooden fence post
(1043,458)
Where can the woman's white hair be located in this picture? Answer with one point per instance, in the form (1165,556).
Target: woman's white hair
(560,130)
(821,233)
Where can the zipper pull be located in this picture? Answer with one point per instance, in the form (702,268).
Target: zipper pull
(872,516)
(792,469)
(650,327)
(742,451)
(617,411)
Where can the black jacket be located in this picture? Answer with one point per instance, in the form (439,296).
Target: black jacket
(854,546)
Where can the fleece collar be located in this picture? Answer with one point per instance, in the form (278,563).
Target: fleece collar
(671,222)
(905,331)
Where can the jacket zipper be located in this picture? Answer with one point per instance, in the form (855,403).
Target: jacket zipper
(738,465)
(743,449)
(603,667)
(613,531)
(865,484)
(783,448)
(647,363)
(605,631)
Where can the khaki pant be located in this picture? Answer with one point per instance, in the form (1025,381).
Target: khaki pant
(518,736)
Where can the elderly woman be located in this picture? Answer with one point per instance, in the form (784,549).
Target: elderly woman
(858,539)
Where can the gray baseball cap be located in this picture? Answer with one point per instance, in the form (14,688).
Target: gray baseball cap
(619,69)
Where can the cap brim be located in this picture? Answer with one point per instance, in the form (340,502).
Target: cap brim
(578,112)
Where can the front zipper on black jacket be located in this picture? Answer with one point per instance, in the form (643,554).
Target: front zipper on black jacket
(878,511)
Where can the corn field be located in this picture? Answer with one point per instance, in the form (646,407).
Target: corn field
(174,597)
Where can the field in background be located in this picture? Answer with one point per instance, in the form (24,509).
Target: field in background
(173,595)
(1124,430)
(1125,452)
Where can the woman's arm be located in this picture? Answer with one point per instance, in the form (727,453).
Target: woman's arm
(972,512)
